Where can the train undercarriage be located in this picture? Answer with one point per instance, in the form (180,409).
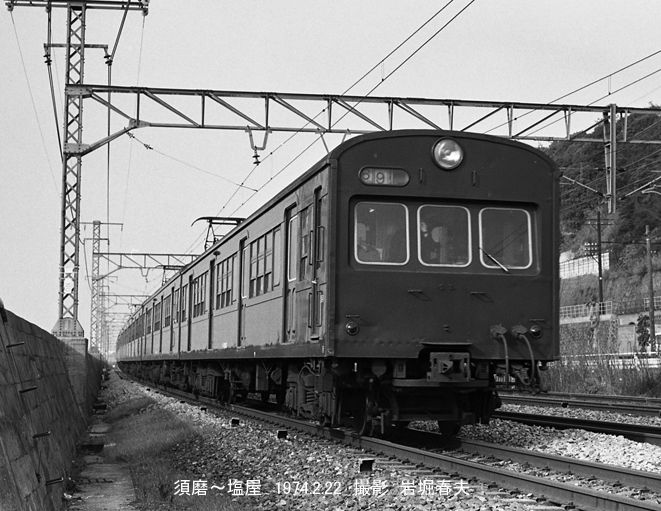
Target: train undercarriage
(366,395)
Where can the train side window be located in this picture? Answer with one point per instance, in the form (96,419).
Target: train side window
(225,282)
(176,313)
(245,272)
(444,236)
(292,249)
(219,282)
(277,256)
(304,243)
(167,310)
(268,262)
(254,266)
(183,301)
(381,233)
(505,238)
(204,292)
(197,296)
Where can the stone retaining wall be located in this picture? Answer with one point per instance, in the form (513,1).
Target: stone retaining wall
(40,417)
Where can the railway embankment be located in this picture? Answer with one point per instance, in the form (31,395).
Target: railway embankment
(46,390)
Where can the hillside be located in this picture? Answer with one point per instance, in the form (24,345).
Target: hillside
(623,233)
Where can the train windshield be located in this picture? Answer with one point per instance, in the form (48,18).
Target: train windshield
(444,236)
(381,233)
(505,238)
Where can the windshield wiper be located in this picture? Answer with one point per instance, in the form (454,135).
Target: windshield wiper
(501,265)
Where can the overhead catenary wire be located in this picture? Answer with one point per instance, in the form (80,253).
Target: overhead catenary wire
(190,165)
(397,68)
(610,93)
(130,159)
(34,106)
(49,60)
(356,82)
(110,58)
(583,87)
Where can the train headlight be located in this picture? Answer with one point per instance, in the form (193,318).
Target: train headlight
(447,154)
(536,331)
(352,327)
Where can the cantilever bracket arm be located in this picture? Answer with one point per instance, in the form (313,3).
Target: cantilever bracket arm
(106,140)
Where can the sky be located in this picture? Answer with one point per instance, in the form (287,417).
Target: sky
(509,50)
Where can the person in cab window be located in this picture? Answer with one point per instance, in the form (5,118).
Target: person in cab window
(428,252)
(365,251)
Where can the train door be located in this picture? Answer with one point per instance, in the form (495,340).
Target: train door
(244,269)
(291,244)
(189,315)
(211,301)
(316,296)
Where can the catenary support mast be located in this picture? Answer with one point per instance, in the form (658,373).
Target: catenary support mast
(67,325)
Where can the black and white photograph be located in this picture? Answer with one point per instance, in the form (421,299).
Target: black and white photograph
(340,256)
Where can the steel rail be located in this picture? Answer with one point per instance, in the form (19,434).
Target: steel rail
(612,473)
(636,432)
(554,491)
(638,408)
(652,401)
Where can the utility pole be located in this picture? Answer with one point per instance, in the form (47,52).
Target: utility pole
(599,269)
(596,251)
(651,290)
(610,156)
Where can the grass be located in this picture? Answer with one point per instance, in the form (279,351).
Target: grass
(150,440)
(585,370)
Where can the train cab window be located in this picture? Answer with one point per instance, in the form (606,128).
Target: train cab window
(444,236)
(505,238)
(381,233)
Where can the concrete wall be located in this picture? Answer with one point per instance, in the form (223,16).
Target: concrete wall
(41,414)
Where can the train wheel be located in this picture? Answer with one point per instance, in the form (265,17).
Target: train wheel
(448,429)
(226,394)
(364,416)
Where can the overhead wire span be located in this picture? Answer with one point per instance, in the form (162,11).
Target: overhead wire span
(367,73)
(110,58)
(128,169)
(583,87)
(49,60)
(190,165)
(420,47)
(603,97)
(34,106)
(288,139)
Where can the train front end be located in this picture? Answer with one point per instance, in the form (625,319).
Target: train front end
(446,264)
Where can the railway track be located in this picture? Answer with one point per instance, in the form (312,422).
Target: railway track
(635,432)
(553,491)
(634,405)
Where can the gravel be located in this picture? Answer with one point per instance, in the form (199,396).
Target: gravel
(573,443)
(233,459)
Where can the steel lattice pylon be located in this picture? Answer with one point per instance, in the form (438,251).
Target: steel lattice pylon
(97,308)
(67,324)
